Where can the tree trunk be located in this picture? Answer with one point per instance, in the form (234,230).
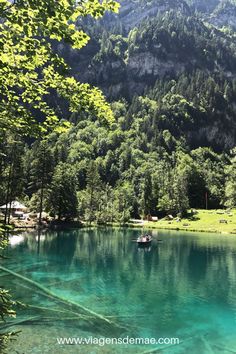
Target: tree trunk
(42,189)
(8,194)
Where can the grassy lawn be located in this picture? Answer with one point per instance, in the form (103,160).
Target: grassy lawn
(203,220)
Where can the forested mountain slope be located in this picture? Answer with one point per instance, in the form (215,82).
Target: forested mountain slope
(168,47)
(168,69)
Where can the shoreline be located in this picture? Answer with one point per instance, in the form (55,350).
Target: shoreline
(128,225)
(209,221)
(183,229)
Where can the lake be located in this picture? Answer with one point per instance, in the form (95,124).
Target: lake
(182,286)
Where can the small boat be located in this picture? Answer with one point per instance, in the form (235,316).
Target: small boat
(144,240)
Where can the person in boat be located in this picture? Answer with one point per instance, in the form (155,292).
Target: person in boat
(147,238)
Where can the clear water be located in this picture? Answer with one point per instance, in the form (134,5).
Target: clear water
(184,286)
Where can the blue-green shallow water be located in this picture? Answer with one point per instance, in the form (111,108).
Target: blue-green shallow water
(184,286)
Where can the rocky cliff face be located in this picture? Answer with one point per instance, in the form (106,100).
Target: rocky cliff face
(204,6)
(133,12)
(224,15)
(218,12)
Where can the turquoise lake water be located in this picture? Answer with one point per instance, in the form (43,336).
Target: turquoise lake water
(183,286)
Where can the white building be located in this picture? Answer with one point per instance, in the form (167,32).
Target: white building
(17,209)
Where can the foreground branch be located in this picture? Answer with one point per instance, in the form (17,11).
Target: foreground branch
(98,318)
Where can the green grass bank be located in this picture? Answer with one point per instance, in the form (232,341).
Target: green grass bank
(218,221)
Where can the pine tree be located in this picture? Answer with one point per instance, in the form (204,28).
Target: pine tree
(63,201)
